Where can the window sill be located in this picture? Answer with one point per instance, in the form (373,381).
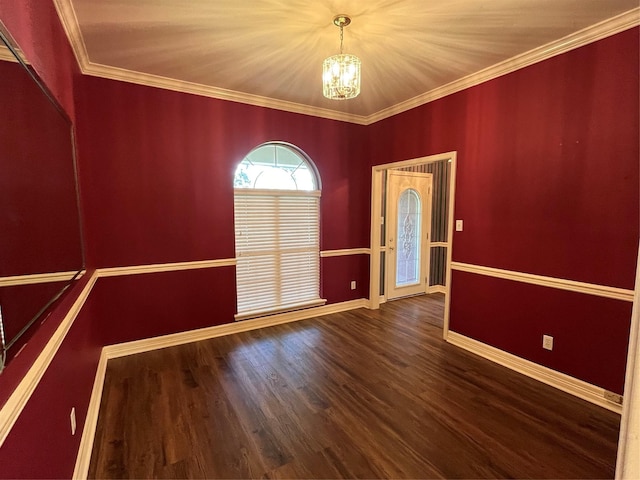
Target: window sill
(284,309)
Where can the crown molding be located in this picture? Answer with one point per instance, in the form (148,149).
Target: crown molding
(575,40)
(150,80)
(71,26)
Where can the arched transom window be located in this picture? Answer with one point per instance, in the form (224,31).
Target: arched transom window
(276,166)
(277,218)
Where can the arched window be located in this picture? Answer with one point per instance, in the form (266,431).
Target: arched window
(277,231)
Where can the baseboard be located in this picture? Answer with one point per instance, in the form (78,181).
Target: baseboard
(83,459)
(148,344)
(123,349)
(561,381)
(437,289)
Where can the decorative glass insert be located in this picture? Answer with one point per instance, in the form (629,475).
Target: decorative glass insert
(275,166)
(408,235)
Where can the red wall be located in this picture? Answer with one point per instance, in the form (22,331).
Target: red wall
(337,273)
(163,303)
(35,26)
(547,183)
(547,157)
(40,443)
(157,179)
(20,303)
(590,333)
(157,172)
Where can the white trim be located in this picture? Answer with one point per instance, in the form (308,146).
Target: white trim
(561,381)
(5,52)
(450,220)
(155,343)
(575,40)
(376,225)
(628,461)
(164,267)
(345,251)
(278,310)
(437,289)
(377,175)
(439,244)
(559,283)
(183,86)
(140,346)
(83,460)
(7,55)
(272,192)
(39,278)
(418,161)
(20,396)
(71,27)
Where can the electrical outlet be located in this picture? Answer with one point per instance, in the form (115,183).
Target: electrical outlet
(72,417)
(547,342)
(353,284)
(459,225)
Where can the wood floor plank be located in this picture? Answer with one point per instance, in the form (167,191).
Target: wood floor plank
(359,394)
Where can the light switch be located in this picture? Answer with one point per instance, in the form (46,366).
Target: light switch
(458,225)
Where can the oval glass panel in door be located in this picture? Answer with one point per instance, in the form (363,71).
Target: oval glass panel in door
(408,235)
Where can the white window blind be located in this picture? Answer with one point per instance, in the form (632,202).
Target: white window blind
(277,250)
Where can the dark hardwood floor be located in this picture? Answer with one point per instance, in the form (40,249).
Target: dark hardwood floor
(360,394)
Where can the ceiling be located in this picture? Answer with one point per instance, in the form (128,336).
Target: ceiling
(270,52)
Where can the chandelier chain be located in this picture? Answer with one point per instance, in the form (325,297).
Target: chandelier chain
(341,37)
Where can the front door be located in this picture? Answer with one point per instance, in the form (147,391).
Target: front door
(408,221)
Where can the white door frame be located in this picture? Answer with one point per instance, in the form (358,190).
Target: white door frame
(377,174)
(628,464)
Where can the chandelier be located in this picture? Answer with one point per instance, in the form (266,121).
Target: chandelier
(341,73)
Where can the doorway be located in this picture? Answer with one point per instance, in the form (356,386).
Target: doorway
(435,264)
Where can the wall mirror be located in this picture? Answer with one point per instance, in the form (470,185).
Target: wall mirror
(41,249)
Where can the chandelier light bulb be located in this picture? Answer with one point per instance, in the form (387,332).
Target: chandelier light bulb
(341,73)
